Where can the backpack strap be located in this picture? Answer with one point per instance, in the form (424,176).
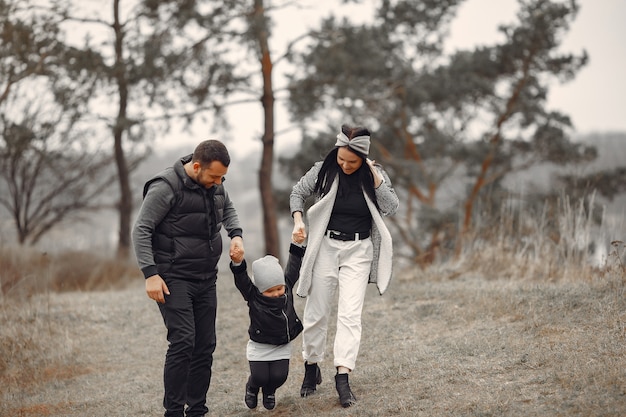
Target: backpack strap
(169,176)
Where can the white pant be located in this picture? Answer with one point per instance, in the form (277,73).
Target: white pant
(346,265)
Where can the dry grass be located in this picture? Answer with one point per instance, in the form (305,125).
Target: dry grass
(38,348)
(515,327)
(25,271)
(432,346)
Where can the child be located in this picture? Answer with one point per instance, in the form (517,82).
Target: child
(273,321)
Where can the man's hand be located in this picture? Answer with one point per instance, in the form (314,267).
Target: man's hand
(236,249)
(156,287)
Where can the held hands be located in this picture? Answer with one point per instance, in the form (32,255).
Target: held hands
(236,249)
(298,236)
(299,229)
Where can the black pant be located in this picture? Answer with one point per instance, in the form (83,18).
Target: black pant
(268,375)
(189,316)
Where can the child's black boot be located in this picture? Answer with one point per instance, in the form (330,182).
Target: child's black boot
(269,400)
(251,397)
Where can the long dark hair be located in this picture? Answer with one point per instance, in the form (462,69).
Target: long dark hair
(330,169)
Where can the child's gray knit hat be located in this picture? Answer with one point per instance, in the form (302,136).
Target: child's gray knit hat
(267,273)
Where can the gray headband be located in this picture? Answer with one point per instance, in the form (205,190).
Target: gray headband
(360,143)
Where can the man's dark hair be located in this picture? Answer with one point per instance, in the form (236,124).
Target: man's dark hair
(209,151)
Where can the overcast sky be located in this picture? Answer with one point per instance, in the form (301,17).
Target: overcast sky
(595,99)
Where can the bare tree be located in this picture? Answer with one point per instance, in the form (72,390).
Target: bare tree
(48,172)
(149,73)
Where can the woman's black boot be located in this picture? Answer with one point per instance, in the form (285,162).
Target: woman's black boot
(346,397)
(312,378)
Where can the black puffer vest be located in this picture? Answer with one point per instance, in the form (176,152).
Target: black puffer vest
(187,243)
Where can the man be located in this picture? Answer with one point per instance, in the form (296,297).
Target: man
(178,244)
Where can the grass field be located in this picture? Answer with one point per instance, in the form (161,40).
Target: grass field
(463,341)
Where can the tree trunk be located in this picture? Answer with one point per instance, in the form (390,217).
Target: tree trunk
(125,205)
(270,225)
(495,142)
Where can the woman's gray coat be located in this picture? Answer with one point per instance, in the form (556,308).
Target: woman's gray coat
(318,217)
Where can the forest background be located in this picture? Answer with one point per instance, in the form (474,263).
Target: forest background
(458,128)
(500,192)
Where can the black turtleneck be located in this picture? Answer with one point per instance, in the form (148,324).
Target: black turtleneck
(350,212)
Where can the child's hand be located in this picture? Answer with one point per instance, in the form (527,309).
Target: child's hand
(298,238)
(236,255)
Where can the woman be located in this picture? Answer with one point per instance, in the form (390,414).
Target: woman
(348,246)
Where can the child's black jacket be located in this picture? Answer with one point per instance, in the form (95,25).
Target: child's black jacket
(272,320)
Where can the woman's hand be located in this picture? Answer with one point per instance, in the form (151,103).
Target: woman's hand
(378,179)
(299,229)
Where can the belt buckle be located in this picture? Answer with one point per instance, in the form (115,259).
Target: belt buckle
(335,234)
